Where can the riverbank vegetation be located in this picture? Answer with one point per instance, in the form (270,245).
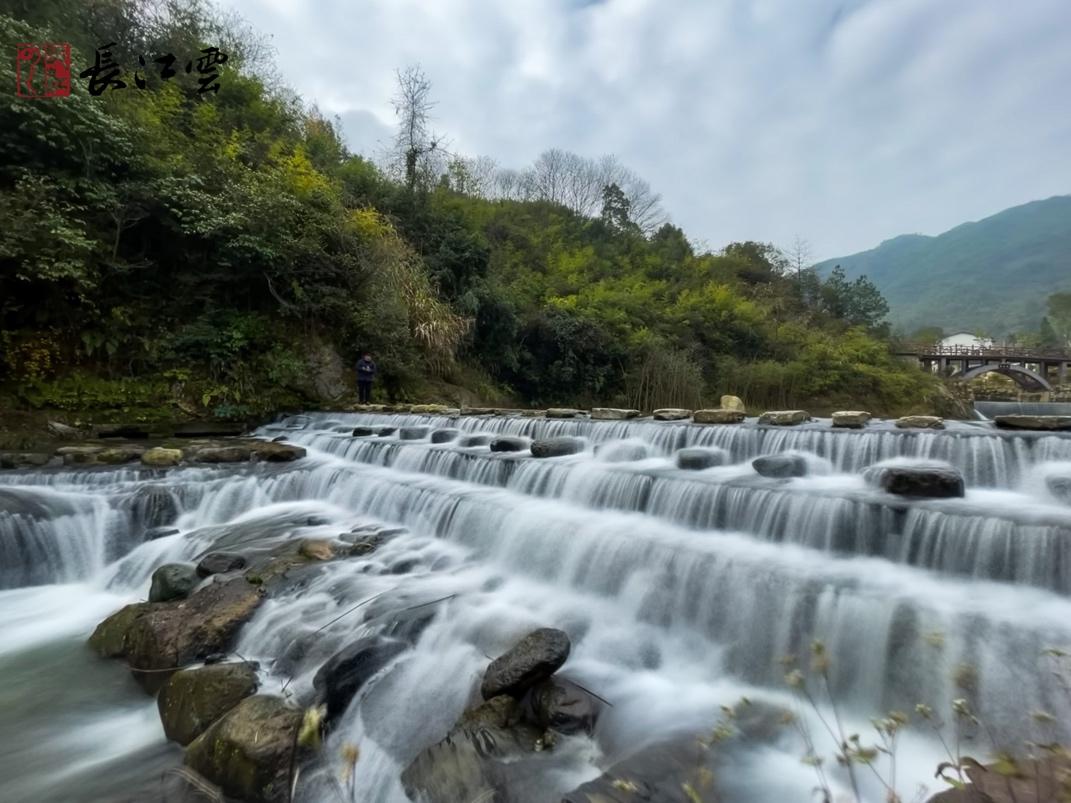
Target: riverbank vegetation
(168,250)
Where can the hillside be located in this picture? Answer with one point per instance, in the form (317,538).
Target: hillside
(992,275)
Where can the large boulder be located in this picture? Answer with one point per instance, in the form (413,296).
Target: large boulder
(531,660)
(780,466)
(222,454)
(732,403)
(173,581)
(612,414)
(64,431)
(850,419)
(557,447)
(345,672)
(920,422)
(430,409)
(193,699)
(444,435)
(471,441)
(363,432)
(161,457)
(509,443)
(249,752)
(79,455)
(563,706)
(478,760)
(154,506)
(116,455)
(23,459)
(220,563)
(277,452)
(563,412)
(718,416)
(696,458)
(156,637)
(918,481)
(671,414)
(784,418)
(412,433)
(1039,422)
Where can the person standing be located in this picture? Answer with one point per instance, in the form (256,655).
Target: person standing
(366,373)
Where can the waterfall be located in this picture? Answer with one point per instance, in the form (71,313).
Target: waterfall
(682,590)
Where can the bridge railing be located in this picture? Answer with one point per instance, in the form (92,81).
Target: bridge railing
(1003,353)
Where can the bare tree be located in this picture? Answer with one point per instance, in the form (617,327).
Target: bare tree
(416,147)
(799,257)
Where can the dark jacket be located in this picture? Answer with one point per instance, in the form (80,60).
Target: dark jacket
(366,370)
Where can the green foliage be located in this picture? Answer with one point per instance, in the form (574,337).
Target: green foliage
(160,244)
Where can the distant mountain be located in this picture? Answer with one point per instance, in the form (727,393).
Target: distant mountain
(992,275)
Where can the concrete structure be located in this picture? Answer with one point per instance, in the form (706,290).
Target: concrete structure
(966,340)
(1032,369)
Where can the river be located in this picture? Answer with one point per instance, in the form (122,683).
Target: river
(683,591)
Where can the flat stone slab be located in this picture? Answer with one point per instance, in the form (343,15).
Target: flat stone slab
(784,418)
(851,419)
(721,416)
(671,414)
(920,422)
(1038,422)
(612,414)
(563,412)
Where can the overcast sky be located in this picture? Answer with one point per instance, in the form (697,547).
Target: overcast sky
(845,121)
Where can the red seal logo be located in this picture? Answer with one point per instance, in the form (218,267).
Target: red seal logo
(43,70)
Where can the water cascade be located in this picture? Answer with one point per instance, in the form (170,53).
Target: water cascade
(682,591)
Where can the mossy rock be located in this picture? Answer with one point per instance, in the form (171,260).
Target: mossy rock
(193,699)
(249,752)
(109,637)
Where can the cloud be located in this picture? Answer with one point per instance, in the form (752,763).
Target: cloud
(845,121)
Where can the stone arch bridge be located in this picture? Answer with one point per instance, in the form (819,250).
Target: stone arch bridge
(1034,370)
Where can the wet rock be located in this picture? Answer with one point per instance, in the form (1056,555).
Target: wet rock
(531,660)
(345,672)
(478,411)
(696,458)
(563,412)
(919,481)
(780,466)
(64,431)
(23,459)
(316,549)
(732,403)
(612,414)
(920,422)
(129,431)
(565,707)
(209,429)
(1037,422)
(412,433)
(509,443)
(784,418)
(158,532)
(120,454)
(109,638)
(160,457)
(249,752)
(385,432)
(193,699)
(1060,487)
(79,455)
(220,563)
(154,506)
(444,435)
(470,441)
(478,759)
(557,447)
(173,581)
(169,635)
(671,414)
(277,452)
(850,419)
(718,416)
(363,432)
(222,454)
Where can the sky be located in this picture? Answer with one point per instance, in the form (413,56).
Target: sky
(844,122)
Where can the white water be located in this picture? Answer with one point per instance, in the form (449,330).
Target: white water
(682,591)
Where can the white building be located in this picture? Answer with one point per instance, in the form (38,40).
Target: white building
(967,340)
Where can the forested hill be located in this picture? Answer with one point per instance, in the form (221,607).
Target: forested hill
(992,275)
(221,252)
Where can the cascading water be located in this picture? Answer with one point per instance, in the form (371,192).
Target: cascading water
(683,591)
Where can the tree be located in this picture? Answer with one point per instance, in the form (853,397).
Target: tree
(615,208)
(799,256)
(414,145)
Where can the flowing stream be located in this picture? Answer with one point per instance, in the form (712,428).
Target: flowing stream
(682,591)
